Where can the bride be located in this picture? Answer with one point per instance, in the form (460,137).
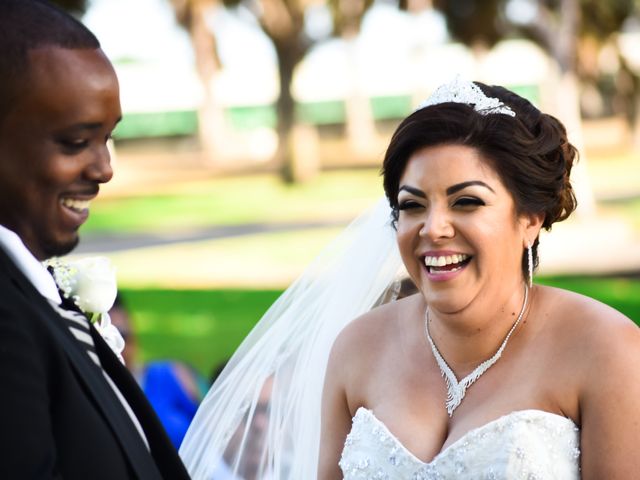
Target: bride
(481,373)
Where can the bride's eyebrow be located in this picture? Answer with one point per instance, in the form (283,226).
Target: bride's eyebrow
(415,191)
(460,186)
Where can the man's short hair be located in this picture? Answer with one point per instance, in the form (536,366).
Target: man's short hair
(29,24)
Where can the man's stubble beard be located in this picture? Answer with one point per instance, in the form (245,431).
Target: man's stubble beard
(59,249)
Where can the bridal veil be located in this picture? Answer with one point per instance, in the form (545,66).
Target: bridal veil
(261,418)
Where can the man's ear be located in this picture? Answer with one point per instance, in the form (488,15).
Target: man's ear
(531,223)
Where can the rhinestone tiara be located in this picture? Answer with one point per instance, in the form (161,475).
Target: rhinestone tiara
(463,91)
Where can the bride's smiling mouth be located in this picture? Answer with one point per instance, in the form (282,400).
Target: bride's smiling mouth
(444,264)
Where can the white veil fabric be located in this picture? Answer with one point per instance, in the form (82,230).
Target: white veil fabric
(261,418)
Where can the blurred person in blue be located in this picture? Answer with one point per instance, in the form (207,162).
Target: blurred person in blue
(175,390)
(69,408)
(173,387)
(481,373)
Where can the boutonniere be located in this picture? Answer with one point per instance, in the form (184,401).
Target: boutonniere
(91,284)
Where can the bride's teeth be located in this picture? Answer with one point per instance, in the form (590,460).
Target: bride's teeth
(75,204)
(441,261)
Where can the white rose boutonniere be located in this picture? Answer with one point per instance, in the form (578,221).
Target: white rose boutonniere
(91,284)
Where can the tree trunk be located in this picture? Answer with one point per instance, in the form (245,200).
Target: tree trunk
(360,124)
(296,153)
(635,127)
(568,101)
(568,111)
(211,122)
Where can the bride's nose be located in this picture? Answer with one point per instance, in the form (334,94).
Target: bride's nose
(437,225)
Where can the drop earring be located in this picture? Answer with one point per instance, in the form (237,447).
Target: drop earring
(530,263)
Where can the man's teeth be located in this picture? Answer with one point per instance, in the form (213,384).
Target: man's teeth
(75,204)
(442,261)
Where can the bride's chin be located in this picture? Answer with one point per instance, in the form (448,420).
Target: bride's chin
(445,304)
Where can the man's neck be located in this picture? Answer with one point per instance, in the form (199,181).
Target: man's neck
(29,265)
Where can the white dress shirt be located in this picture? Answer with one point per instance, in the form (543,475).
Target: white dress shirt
(29,265)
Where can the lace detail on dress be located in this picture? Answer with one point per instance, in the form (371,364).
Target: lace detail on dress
(528,444)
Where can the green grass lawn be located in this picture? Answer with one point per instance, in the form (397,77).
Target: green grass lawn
(204,327)
(337,195)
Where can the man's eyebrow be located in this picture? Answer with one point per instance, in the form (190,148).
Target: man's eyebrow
(91,125)
(414,191)
(460,186)
(86,126)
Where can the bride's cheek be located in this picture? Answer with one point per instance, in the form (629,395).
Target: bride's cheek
(407,238)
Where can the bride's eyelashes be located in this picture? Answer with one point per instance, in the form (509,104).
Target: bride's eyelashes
(461,202)
(468,202)
(408,204)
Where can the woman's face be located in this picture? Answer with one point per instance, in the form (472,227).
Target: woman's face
(458,233)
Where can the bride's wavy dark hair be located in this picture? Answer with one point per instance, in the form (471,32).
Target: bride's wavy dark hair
(530,152)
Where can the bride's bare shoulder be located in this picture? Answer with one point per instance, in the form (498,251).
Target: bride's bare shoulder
(584,313)
(376,329)
(591,328)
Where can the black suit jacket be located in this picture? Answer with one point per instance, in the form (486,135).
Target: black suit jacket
(59,418)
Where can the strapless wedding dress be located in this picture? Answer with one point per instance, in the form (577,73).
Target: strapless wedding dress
(527,444)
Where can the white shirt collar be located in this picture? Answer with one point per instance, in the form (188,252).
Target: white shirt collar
(29,265)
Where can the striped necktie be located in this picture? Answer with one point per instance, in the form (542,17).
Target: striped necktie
(77,323)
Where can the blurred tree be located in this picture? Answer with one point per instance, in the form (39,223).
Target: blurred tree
(475,23)
(192,15)
(283,21)
(360,125)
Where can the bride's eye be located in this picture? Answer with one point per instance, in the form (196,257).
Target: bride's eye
(408,205)
(468,202)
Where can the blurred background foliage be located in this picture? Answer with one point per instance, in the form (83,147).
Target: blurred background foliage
(228,182)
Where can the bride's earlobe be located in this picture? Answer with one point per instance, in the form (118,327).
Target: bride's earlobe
(531,225)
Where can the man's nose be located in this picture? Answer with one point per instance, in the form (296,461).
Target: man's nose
(100,170)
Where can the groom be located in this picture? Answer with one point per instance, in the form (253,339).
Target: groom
(68,408)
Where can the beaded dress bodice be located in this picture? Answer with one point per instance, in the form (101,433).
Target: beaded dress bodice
(527,444)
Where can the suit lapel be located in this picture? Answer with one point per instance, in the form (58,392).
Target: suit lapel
(101,393)
(162,450)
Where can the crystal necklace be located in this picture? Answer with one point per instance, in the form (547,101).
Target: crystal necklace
(457,390)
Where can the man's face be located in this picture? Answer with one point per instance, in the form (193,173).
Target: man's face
(53,146)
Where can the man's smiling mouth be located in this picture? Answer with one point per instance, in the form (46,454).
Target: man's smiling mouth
(75,204)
